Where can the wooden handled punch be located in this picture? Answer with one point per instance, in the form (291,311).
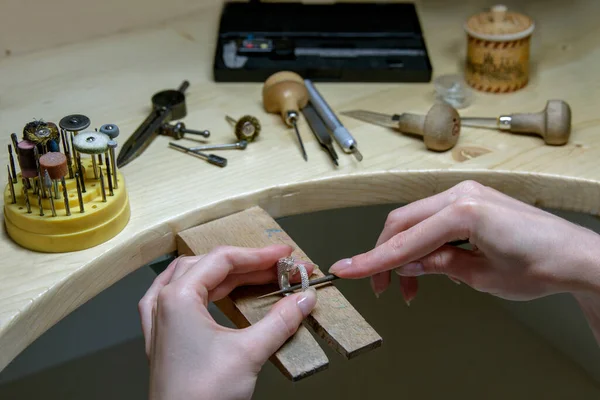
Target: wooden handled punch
(553,123)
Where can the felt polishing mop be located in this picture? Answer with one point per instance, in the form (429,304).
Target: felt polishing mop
(65,200)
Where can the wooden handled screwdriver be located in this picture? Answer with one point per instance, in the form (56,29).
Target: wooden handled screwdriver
(440,127)
(284,92)
(553,123)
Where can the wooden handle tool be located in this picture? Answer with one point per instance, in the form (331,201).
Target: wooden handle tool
(439,128)
(284,92)
(553,123)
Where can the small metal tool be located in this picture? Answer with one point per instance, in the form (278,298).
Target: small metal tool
(27,202)
(314,282)
(39,195)
(241,145)
(246,128)
(65,196)
(320,130)
(79,195)
(102,186)
(340,133)
(167,105)
(12,164)
(178,130)
(112,145)
(211,158)
(11,185)
(109,176)
(48,186)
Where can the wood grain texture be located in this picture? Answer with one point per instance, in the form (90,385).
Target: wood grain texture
(111,80)
(334,318)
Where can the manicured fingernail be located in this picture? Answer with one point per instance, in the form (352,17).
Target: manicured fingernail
(410,269)
(377,292)
(340,265)
(307,301)
(454,280)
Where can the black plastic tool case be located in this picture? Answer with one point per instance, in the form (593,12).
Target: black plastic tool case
(349,42)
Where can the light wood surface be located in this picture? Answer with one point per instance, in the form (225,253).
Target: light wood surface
(111,79)
(334,319)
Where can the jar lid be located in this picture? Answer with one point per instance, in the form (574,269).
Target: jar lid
(499,24)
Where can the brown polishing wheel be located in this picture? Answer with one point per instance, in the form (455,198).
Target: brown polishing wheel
(55,163)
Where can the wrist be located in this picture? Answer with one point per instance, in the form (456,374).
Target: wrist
(583,278)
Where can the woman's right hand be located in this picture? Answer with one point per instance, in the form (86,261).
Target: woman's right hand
(519,251)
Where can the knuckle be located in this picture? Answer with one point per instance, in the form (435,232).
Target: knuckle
(391,219)
(396,243)
(437,262)
(471,187)
(467,207)
(173,296)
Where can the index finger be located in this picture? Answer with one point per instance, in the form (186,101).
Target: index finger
(215,266)
(452,223)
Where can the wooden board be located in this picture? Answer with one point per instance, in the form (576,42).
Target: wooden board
(334,318)
(171,191)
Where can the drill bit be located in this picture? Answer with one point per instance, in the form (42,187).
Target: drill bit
(102,187)
(48,186)
(12,164)
(79,195)
(27,203)
(11,186)
(65,196)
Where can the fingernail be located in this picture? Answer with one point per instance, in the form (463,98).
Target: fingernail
(340,265)
(307,301)
(377,292)
(454,280)
(410,269)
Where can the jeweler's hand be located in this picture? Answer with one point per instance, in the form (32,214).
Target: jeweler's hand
(520,252)
(193,357)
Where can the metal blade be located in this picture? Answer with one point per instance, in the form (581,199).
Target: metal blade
(390,121)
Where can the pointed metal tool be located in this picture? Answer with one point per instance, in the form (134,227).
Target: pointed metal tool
(322,133)
(314,282)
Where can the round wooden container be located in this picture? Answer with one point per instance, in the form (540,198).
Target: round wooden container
(498,50)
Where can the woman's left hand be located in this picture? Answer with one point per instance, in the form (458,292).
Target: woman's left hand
(193,357)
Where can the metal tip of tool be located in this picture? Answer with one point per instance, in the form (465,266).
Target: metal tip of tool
(295,125)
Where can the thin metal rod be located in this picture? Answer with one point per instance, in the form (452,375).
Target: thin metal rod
(230,119)
(15,141)
(56,189)
(294,123)
(81,173)
(95,166)
(318,281)
(27,203)
(113,165)
(12,187)
(79,195)
(110,185)
(48,186)
(102,187)
(491,123)
(40,203)
(99,159)
(36,154)
(65,196)
(12,164)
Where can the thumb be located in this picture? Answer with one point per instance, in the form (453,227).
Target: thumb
(280,323)
(447,260)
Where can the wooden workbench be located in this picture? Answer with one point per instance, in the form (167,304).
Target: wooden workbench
(109,72)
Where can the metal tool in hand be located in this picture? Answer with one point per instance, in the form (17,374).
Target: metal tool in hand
(320,130)
(340,133)
(210,158)
(167,105)
(314,282)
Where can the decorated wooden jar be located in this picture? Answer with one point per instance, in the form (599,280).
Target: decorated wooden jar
(498,50)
